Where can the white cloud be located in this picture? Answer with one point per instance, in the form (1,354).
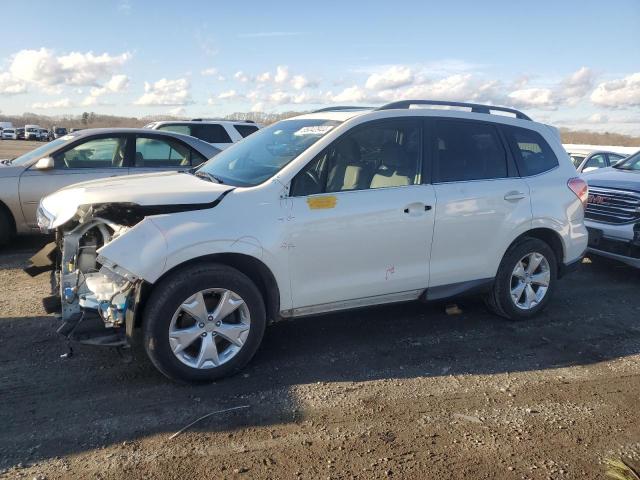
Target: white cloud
(263,77)
(534,98)
(393,77)
(300,81)
(241,76)
(352,94)
(576,86)
(11,86)
(166,92)
(620,93)
(62,103)
(228,95)
(178,112)
(209,72)
(282,74)
(117,84)
(258,107)
(42,67)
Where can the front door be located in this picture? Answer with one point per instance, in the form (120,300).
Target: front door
(89,160)
(359,220)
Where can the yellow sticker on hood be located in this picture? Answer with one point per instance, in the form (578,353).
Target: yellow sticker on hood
(326,201)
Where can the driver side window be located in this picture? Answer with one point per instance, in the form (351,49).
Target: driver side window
(375,155)
(97,153)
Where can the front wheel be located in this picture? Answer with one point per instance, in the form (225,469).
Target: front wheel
(525,281)
(203,323)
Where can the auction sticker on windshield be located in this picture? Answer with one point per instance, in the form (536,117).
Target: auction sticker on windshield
(314,130)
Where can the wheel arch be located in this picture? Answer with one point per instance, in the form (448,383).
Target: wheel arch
(12,221)
(548,236)
(253,268)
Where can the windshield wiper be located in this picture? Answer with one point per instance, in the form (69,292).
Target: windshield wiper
(7,161)
(208,176)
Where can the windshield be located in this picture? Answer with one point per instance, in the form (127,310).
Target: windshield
(264,153)
(629,163)
(577,160)
(40,152)
(61,131)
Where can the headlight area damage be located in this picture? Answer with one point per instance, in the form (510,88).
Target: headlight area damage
(94,297)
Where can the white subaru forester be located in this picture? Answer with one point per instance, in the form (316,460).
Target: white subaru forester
(341,208)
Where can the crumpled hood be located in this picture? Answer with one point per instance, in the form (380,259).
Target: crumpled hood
(614,178)
(162,188)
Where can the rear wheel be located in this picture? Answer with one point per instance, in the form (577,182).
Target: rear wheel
(203,323)
(525,281)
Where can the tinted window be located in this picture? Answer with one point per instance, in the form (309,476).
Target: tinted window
(245,130)
(210,133)
(467,151)
(377,155)
(532,153)
(98,153)
(156,152)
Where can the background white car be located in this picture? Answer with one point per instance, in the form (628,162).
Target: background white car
(9,134)
(219,133)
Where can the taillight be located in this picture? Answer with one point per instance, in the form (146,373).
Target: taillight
(580,188)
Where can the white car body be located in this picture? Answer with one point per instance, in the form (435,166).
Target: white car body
(429,241)
(9,134)
(228,131)
(32,132)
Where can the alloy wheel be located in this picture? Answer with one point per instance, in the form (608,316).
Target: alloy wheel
(209,328)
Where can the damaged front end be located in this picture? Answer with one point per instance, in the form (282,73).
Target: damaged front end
(96,299)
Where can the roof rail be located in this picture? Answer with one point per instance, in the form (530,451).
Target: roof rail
(475,107)
(341,108)
(221,120)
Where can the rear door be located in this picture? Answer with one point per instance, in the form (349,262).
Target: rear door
(90,158)
(152,153)
(481,200)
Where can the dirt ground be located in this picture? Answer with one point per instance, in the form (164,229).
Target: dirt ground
(15,148)
(402,391)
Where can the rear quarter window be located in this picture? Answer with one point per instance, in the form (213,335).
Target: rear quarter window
(210,133)
(245,130)
(532,153)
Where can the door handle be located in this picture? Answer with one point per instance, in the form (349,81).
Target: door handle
(515,195)
(416,208)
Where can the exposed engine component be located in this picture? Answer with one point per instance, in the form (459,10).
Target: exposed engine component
(86,284)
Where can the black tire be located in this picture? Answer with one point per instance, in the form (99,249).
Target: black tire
(6,228)
(167,297)
(499,299)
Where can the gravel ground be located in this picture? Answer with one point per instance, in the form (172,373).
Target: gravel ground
(402,391)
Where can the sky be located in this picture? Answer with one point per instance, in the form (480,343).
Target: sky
(573,64)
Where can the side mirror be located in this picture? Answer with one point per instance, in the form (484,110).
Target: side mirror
(45,163)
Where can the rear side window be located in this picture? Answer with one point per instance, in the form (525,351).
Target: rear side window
(467,151)
(532,153)
(245,130)
(176,128)
(210,133)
